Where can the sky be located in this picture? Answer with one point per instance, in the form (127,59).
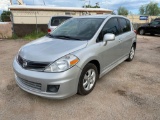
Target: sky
(131,5)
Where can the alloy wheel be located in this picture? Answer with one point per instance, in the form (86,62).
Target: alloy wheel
(132,53)
(89,79)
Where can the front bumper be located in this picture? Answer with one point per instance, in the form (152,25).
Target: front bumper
(67,80)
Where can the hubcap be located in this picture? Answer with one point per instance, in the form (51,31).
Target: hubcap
(132,53)
(89,79)
(141,32)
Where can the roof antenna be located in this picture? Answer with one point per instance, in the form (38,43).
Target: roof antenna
(44,2)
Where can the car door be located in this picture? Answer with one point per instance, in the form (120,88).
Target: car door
(158,27)
(148,28)
(110,53)
(125,37)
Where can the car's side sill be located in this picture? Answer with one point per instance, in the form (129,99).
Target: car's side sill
(113,66)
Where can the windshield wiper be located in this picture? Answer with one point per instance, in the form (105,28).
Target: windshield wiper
(66,37)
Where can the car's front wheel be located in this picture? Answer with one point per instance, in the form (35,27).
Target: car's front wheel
(87,79)
(141,31)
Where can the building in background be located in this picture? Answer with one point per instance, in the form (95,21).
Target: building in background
(27,19)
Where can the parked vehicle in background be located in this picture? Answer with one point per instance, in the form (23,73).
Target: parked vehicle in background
(55,21)
(74,56)
(157,19)
(152,28)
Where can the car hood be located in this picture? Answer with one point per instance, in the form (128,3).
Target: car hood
(48,49)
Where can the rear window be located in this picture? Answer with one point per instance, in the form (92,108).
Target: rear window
(58,20)
(125,25)
(128,25)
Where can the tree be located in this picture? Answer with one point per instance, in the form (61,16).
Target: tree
(90,6)
(113,12)
(150,9)
(5,16)
(122,11)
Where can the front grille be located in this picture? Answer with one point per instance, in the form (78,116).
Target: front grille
(31,84)
(32,65)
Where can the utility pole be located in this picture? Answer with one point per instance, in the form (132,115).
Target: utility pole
(85,2)
(20,2)
(11,2)
(44,2)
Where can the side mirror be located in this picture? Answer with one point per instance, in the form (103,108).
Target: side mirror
(108,37)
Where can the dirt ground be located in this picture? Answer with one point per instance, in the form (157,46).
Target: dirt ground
(131,91)
(5,30)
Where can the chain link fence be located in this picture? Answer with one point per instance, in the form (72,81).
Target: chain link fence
(22,25)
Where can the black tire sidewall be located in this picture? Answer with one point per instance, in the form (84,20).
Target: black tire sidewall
(81,89)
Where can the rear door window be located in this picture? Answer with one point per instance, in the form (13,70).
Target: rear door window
(125,25)
(128,25)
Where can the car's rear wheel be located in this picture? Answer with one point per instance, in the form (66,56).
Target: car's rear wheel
(131,54)
(87,79)
(141,31)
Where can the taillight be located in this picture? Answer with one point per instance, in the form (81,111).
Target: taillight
(49,30)
(135,31)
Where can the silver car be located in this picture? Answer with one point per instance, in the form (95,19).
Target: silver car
(55,21)
(74,56)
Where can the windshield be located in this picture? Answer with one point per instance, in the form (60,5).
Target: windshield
(78,28)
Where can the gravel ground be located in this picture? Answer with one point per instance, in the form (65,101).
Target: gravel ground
(131,91)
(5,30)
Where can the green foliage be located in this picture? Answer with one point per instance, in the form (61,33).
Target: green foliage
(113,13)
(14,36)
(150,9)
(90,6)
(5,16)
(31,36)
(34,35)
(122,11)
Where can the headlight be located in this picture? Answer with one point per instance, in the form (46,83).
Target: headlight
(63,64)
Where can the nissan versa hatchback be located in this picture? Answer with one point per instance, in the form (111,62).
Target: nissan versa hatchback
(74,56)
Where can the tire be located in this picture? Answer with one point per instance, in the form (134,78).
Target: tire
(152,34)
(141,31)
(87,79)
(131,54)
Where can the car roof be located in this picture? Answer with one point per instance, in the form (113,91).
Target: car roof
(94,16)
(103,16)
(100,16)
(62,16)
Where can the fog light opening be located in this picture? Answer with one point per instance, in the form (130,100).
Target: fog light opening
(52,88)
